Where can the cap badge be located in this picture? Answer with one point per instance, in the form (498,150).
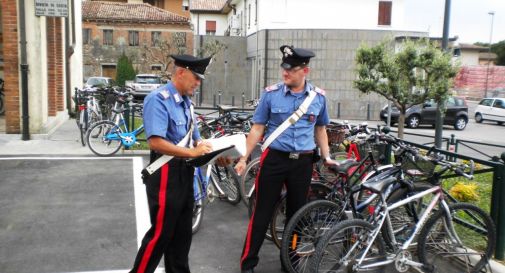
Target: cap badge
(288,52)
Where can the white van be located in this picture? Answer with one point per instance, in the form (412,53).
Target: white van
(492,109)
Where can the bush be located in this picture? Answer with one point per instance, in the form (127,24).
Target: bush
(125,71)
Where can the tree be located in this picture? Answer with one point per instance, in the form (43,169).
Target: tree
(125,71)
(416,72)
(498,49)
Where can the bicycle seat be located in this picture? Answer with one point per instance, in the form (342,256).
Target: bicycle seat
(243,118)
(226,108)
(343,166)
(378,184)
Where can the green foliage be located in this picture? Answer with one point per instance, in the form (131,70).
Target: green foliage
(416,72)
(125,71)
(498,49)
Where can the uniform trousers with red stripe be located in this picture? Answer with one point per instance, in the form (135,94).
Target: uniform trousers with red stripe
(170,199)
(276,170)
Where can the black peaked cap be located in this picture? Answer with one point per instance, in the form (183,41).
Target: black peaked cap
(196,65)
(292,57)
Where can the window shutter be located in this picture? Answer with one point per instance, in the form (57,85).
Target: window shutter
(385,8)
(210,26)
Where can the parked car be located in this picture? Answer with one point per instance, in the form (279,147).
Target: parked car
(490,109)
(144,84)
(456,114)
(99,81)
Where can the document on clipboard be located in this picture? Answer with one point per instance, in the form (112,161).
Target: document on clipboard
(227,146)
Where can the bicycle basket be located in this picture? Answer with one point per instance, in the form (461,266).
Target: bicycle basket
(378,149)
(417,167)
(335,134)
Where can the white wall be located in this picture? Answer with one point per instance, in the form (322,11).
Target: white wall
(469,57)
(317,14)
(198,22)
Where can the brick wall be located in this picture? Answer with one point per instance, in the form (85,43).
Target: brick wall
(472,81)
(11,66)
(55,75)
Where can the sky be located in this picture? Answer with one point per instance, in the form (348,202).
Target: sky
(469,19)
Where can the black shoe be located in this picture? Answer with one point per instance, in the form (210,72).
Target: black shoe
(247,270)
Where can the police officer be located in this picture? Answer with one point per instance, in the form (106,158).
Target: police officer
(288,159)
(167,120)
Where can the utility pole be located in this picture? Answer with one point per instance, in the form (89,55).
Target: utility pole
(489,51)
(439,119)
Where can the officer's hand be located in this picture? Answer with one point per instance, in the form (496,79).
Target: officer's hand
(328,162)
(240,166)
(202,148)
(224,161)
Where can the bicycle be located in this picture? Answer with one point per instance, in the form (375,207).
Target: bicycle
(88,108)
(460,233)
(105,137)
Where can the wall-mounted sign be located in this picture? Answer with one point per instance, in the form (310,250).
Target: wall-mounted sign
(53,8)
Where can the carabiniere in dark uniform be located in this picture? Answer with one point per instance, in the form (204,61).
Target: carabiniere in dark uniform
(170,188)
(288,160)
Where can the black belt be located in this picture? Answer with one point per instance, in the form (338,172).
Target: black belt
(293,155)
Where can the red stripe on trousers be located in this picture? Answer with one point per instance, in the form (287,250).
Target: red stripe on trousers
(159,219)
(249,228)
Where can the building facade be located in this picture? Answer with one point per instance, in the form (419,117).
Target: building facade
(145,33)
(40,54)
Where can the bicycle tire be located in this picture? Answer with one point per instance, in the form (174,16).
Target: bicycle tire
(225,180)
(304,230)
(333,247)
(199,206)
(474,233)
(83,117)
(248,179)
(317,191)
(97,141)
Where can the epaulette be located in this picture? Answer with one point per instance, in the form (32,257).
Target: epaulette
(164,94)
(320,91)
(272,87)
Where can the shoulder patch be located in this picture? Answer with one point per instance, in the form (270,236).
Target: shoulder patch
(272,87)
(320,91)
(164,94)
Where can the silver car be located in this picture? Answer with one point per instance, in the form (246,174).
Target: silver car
(492,109)
(144,84)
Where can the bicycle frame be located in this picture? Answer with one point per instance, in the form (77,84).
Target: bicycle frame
(437,199)
(204,181)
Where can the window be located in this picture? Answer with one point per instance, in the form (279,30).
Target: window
(249,16)
(210,27)
(498,104)
(155,38)
(486,102)
(156,67)
(385,13)
(86,36)
(108,37)
(133,38)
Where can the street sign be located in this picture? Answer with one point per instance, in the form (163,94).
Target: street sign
(52,8)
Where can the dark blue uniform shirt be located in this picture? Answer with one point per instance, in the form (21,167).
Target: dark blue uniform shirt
(167,114)
(277,103)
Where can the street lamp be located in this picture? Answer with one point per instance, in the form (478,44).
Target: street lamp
(489,50)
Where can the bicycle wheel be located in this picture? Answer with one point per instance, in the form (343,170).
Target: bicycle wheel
(83,117)
(103,138)
(343,246)
(198,207)
(248,179)
(304,230)
(225,180)
(317,191)
(465,239)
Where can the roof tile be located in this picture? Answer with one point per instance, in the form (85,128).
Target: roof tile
(207,5)
(113,11)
